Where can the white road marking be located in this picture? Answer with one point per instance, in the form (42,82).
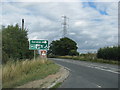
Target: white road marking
(99,86)
(64,67)
(92,66)
(68,69)
(54,83)
(103,69)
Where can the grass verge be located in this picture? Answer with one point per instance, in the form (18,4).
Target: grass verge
(18,73)
(89,59)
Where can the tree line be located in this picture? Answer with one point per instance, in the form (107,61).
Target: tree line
(15,44)
(110,53)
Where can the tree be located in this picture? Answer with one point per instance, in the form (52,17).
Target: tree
(15,43)
(110,53)
(73,52)
(64,46)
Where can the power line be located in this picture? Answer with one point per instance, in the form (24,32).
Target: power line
(64,25)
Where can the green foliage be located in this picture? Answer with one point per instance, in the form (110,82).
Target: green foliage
(64,46)
(15,43)
(110,53)
(73,53)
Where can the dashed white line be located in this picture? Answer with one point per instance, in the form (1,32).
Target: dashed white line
(104,69)
(92,66)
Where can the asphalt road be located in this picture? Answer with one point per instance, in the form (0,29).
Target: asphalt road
(89,75)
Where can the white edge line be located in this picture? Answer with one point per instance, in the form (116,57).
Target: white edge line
(64,67)
(59,78)
(104,69)
(54,83)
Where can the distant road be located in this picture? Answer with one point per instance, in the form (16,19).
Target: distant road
(89,75)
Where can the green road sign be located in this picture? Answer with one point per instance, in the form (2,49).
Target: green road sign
(38,44)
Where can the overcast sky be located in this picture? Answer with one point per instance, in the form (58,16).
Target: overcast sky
(91,24)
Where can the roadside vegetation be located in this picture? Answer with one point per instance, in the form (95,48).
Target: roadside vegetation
(109,53)
(63,46)
(89,59)
(15,44)
(18,66)
(20,72)
(67,48)
(92,57)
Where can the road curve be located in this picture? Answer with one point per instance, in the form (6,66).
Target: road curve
(89,75)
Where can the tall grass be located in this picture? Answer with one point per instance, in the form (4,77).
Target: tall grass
(21,72)
(0,76)
(89,58)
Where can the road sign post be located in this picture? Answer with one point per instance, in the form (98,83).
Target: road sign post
(34,54)
(38,45)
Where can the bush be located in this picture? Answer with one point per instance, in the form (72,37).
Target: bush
(110,53)
(15,43)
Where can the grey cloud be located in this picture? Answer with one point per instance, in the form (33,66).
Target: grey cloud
(43,21)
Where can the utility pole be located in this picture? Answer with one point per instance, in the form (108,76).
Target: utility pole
(64,25)
(22,33)
(22,24)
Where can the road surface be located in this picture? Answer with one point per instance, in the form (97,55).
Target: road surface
(89,75)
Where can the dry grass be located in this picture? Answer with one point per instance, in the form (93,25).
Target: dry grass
(89,58)
(0,76)
(21,72)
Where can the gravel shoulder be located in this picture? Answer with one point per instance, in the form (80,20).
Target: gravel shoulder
(49,81)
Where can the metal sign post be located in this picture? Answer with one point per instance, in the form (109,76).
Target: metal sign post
(34,54)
